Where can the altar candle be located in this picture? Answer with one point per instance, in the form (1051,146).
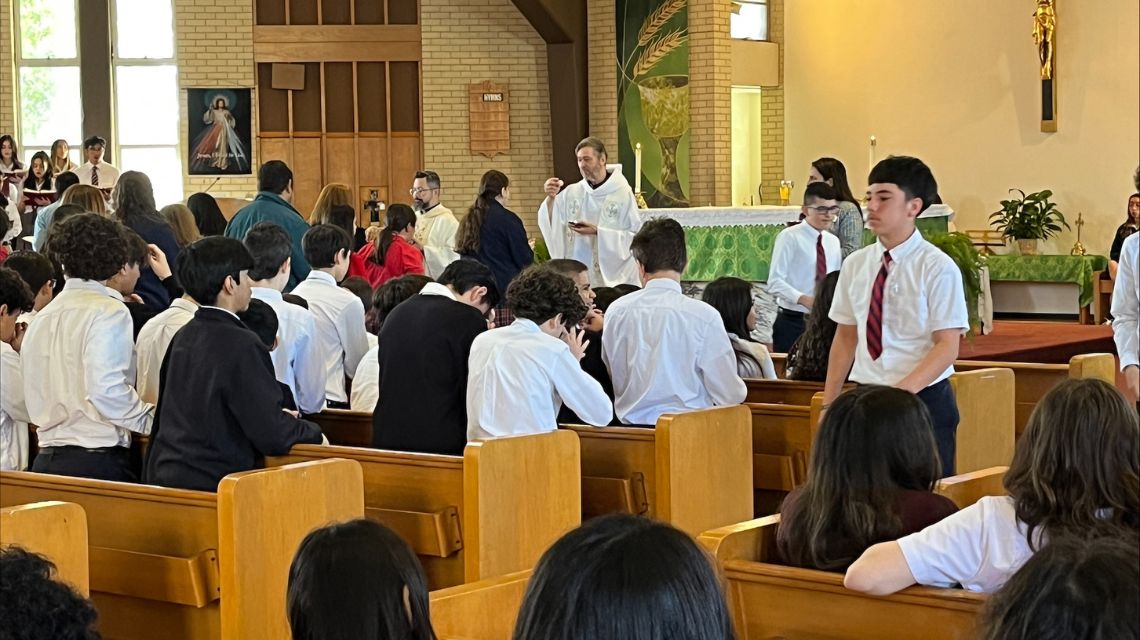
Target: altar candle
(871,156)
(637,168)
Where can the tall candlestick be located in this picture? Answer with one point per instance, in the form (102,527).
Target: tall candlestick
(871,155)
(637,168)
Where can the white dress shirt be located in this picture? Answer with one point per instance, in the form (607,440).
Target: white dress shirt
(77,359)
(14,417)
(339,318)
(922,294)
(298,360)
(152,343)
(667,353)
(1126,302)
(435,232)
(108,174)
(792,273)
(519,377)
(366,382)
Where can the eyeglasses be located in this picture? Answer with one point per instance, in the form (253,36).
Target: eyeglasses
(826,210)
(417,191)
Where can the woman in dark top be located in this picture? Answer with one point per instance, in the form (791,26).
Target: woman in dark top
(134,207)
(207,214)
(494,235)
(807,359)
(1131,225)
(871,479)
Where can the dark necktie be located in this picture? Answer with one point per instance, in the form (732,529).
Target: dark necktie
(820,260)
(94,175)
(875,315)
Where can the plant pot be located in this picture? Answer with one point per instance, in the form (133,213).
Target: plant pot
(1027,247)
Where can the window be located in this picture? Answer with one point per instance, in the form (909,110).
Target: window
(48,91)
(749,19)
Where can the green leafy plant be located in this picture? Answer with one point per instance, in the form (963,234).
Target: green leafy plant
(962,251)
(1030,217)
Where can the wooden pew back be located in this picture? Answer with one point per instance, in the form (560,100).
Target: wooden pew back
(782,435)
(483,610)
(985,400)
(182,564)
(56,530)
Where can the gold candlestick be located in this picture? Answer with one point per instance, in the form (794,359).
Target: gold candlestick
(1078,248)
(640,199)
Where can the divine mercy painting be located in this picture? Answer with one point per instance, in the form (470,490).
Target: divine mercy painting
(219,131)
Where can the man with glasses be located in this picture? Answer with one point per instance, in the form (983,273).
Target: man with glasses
(435,224)
(95,171)
(801,257)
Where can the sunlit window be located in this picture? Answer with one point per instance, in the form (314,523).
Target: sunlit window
(48,77)
(749,19)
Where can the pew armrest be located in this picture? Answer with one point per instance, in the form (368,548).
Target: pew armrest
(754,540)
(1101,366)
(192,580)
(433,534)
(967,488)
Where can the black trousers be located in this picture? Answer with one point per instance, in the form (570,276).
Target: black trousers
(943,406)
(107,463)
(786,329)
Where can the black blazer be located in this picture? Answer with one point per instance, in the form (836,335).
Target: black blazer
(503,245)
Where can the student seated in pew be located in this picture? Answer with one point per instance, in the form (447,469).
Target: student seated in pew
(1076,471)
(871,479)
(592,326)
(691,365)
(77,360)
(424,348)
(520,375)
(338,312)
(225,410)
(807,359)
(1074,589)
(39,273)
(802,255)
(298,360)
(899,304)
(732,298)
(261,319)
(35,605)
(15,299)
(365,384)
(622,576)
(357,580)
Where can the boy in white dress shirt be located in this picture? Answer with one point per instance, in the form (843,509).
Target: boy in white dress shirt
(338,312)
(520,375)
(899,304)
(802,256)
(666,352)
(77,360)
(298,360)
(16,298)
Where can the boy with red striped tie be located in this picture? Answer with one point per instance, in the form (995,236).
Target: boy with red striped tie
(899,303)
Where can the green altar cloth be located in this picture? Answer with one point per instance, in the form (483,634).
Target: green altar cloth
(1075,269)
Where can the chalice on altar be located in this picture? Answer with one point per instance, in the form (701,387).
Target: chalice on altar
(665,111)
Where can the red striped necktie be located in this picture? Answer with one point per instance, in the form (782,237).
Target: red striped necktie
(820,259)
(94,175)
(875,315)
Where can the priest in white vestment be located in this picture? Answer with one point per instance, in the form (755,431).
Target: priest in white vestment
(435,224)
(593,221)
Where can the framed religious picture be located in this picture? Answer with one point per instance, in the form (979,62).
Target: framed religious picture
(219,128)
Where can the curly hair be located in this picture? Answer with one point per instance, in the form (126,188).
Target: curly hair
(15,294)
(89,246)
(539,294)
(33,605)
(809,355)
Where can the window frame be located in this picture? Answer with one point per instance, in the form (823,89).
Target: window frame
(20,62)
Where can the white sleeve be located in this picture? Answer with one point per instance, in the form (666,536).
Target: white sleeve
(552,230)
(354,337)
(365,384)
(580,391)
(782,259)
(717,366)
(150,350)
(309,368)
(1126,303)
(945,298)
(106,361)
(12,391)
(13,211)
(842,311)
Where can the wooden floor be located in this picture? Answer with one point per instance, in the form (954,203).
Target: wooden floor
(1045,342)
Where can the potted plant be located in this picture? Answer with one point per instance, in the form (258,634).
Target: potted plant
(1028,219)
(964,254)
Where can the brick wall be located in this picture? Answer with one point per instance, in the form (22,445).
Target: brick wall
(772,120)
(215,49)
(7,71)
(466,41)
(602,30)
(710,103)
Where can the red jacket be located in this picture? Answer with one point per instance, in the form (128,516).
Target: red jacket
(401,259)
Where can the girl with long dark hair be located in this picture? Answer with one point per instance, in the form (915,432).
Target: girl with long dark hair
(133,199)
(732,298)
(1130,226)
(207,214)
(848,224)
(393,251)
(808,357)
(493,235)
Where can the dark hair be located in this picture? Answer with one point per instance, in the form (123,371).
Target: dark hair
(596,144)
(819,191)
(89,246)
(274,176)
(270,246)
(910,175)
(565,266)
(323,243)
(30,181)
(431,177)
(660,246)
(261,319)
(1128,216)
(1074,588)
(1076,468)
(808,356)
(627,577)
(136,248)
(389,295)
(35,268)
(833,170)
(539,293)
(398,217)
(732,298)
(468,238)
(604,297)
(359,287)
(65,180)
(16,164)
(207,214)
(203,266)
(34,604)
(94,141)
(134,198)
(295,299)
(465,275)
(348,580)
(14,291)
(873,442)
(343,216)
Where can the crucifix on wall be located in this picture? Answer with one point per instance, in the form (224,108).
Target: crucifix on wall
(1044,36)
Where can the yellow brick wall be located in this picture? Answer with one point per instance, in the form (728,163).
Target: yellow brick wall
(7,69)
(466,41)
(602,31)
(772,121)
(710,103)
(215,49)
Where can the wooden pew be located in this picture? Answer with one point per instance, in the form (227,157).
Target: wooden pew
(56,530)
(1033,380)
(492,511)
(967,488)
(181,565)
(691,471)
(782,391)
(985,400)
(769,600)
(782,435)
(483,610)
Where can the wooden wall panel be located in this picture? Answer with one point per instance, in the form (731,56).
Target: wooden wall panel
(403,12)
(369,12)
(405,96)
(270,11)
(307,178)
(273,104)
(373,161)
(370,82)
(405,163)
(336,11)
(339,97)
(307,103)
(276,149)
(340,162)
(302,12)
